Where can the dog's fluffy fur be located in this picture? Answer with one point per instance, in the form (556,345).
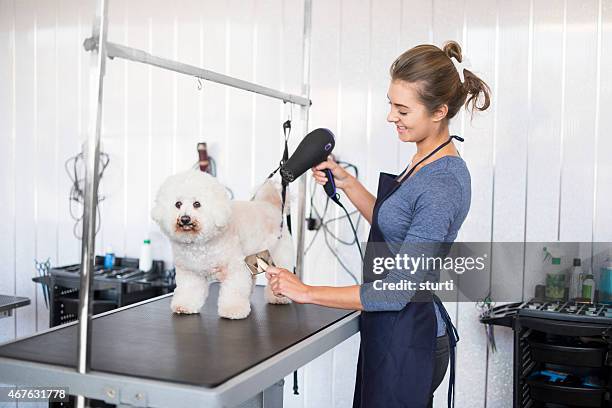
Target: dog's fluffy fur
(213,244)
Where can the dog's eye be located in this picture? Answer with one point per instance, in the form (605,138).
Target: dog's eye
(178,204)
(196,204)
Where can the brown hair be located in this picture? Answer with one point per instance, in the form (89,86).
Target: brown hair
(438,80)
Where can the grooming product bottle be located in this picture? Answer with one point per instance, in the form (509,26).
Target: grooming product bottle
(109,258)
(575,280)
(588,288)
(605,282)
(145,263)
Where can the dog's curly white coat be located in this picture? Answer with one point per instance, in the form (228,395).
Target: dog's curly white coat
(213,244)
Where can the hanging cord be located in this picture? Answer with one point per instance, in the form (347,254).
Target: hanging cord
(284,184)
(327,233)
(74,166)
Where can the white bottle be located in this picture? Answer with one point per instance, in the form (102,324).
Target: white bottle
(145,263)
(575,280)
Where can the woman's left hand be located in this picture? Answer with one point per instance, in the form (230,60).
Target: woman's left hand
(283,282)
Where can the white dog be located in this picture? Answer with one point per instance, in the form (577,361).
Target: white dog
(211,235)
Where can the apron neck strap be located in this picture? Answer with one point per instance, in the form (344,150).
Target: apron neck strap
(431,154)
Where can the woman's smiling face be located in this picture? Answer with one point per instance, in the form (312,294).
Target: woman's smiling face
(412,119)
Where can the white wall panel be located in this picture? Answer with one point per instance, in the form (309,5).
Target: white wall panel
(603,144)
(69,106)
(578,122)
(7,161)
(47,164)
(7,166)
(25,186)
(538,158)
(509,168)
(544,148)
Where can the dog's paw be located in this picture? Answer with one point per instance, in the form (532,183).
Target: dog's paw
(278,300)
(271,298)
(238,310)
(184,307)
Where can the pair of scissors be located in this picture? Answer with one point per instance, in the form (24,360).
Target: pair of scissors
(42,269)
(485,304)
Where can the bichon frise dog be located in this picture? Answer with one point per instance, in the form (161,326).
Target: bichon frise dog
(211,235)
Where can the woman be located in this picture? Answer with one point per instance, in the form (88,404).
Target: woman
(406,335)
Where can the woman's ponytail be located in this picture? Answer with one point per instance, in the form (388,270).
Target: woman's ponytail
(438,79)
(473,86)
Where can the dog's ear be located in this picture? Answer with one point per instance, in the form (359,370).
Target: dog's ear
(221,215)
(157,213)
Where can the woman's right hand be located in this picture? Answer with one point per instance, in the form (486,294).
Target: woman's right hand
(342,178)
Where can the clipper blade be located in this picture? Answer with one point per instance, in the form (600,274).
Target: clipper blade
(257,263)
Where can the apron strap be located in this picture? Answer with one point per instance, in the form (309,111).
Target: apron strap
(453,338)
(459,138)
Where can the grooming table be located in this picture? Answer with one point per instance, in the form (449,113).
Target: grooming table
(144,355)
(9,302)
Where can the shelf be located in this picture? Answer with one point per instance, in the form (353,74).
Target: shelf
(544,391)
(578,355)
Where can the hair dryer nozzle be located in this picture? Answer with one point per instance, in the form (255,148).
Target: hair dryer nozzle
(312,150)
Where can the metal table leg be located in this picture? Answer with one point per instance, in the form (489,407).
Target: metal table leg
(271,397)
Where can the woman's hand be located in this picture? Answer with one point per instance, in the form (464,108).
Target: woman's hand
(283,282)
(342,178)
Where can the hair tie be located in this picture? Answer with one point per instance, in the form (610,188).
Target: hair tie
(460,66)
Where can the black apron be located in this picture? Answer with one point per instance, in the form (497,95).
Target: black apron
(396,354)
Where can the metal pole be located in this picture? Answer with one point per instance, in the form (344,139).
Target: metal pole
(305,116)
(98,60)
(133,54)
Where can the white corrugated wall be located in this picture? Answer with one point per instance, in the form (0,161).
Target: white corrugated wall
(540,158)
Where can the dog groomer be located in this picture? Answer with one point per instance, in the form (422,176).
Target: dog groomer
(406,335)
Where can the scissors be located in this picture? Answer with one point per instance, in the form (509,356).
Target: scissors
(42,268)
(485,304)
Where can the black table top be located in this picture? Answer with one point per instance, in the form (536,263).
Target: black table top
(203,349)
(8,302)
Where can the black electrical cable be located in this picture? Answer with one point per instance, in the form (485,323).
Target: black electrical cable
(337,200)
(339,218)
(325,224)
(76,192)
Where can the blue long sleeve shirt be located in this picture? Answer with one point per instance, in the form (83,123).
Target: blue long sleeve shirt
(429,207)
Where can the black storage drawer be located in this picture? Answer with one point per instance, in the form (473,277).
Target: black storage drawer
(543,391)
(566,354)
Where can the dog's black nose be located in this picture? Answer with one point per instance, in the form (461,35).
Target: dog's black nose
(185,219)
